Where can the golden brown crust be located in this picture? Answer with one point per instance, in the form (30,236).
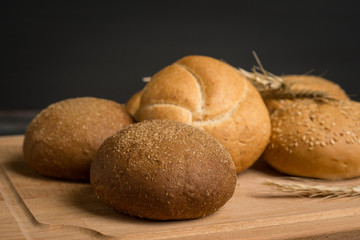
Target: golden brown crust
(312,139)
(161,169)
(307,83)
(62,140)
(212,95)
(132,105)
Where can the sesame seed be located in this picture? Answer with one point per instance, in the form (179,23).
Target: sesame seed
(323,144)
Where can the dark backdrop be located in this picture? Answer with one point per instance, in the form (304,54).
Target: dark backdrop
(53,50)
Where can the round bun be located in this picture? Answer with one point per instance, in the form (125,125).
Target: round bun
(313,139)
(212,95)
(164,170)
(132,105)
(307,83)
(62,140)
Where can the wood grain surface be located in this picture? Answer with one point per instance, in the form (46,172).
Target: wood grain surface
(36,207)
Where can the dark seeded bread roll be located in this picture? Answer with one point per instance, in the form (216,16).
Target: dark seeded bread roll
(62,140)
(162,169)
(319,140)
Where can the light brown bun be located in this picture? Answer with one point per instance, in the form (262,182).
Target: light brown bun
(132,105)
(319,140)
(212,95)
(307,83)
(164,170)
(62,140)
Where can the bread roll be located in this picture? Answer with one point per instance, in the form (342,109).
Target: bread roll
(132,105)
(214,96)
(307,83)
(61,141)
(319,140)
(161,169)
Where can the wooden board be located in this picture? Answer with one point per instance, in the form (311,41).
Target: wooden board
(36,207)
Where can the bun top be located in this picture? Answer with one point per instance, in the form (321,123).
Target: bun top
(313,139)
(62,140)
(161,169)
(132,105)
(204,86)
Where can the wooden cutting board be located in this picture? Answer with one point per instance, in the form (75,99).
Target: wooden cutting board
(36,207)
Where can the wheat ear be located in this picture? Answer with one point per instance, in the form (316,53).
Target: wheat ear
(262,79)
(271,86)
(307,190)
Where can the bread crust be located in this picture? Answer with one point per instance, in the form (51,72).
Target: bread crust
(164,170)
(214,96)
(61,141)
(313,139)
(132,105)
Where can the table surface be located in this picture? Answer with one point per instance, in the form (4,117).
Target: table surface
(36,207)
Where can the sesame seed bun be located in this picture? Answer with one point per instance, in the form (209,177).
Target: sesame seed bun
(61,141)
(315,139)
(162,169)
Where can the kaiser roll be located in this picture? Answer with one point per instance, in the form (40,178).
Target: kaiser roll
(61,141)
(212,95)
(307,83)
(164,170)
(316,139)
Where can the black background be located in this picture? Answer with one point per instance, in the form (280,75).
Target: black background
(53,50)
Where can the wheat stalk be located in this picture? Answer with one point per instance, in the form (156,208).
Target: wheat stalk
(262,79)
(146,79)
(271,86)
(311,190)
(287,93)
